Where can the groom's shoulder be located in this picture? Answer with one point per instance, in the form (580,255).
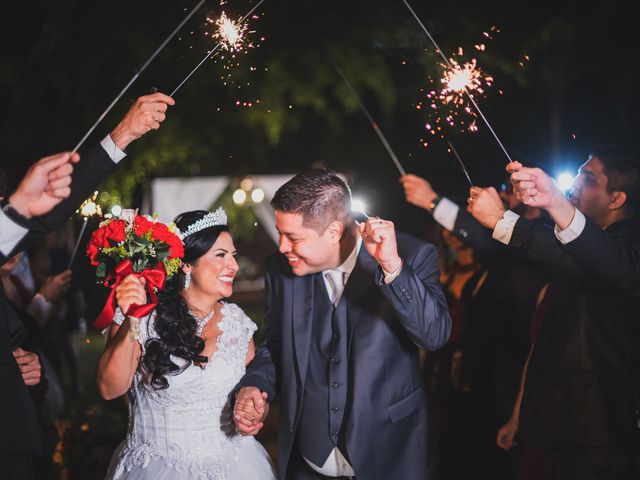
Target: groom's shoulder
(411,243)
(277,262)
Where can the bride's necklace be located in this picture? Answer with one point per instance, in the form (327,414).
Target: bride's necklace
(201,323)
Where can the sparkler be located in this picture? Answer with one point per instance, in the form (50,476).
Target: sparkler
(451,67)
(229,33)
(88,209)
(464,76)
(136,75)
(464,169)
(373,123)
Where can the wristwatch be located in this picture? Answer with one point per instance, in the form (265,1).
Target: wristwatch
(13,214)
(433,204)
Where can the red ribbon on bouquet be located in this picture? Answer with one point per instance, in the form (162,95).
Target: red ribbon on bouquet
(155,278)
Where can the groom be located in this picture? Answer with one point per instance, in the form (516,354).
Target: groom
(348,308)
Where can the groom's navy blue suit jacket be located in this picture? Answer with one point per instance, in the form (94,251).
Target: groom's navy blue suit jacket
(385,423)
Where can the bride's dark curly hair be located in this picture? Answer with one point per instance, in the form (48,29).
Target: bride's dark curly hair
(175,327)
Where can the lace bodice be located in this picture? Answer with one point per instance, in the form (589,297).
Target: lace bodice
(189,424)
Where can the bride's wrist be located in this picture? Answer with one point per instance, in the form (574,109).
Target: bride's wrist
(134,328)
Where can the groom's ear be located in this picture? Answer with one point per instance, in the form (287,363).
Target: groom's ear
(335,231)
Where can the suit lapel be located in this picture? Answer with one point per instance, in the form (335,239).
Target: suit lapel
(302,320)
(358,288)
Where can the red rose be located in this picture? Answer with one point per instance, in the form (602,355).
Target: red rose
(175,246)
(160,232)
(99,238)
(141,225)
(116,230)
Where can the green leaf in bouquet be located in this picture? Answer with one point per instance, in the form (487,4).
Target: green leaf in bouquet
(139,264)
(101,271)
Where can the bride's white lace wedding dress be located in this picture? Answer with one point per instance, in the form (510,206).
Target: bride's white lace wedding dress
(186,432)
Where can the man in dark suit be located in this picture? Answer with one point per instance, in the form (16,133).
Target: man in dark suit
(48,194)
(494,342)
(582,386)
(348,308)
(617,263)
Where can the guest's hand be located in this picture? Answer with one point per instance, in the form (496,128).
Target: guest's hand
(146,114)
(29,364)
(485,205)
(250,410)
(379,238)
(46,184)
(534,187)
(507,434)
(418,191)
(131,291)
(54,287)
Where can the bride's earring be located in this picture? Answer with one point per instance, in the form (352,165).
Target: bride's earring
(187,280)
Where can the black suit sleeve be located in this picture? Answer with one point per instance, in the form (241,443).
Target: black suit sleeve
(88,174)
(264,370)
(538,242)
(616,262)
(474,234)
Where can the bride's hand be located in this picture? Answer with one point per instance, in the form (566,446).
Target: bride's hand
(131,291)
(250,410)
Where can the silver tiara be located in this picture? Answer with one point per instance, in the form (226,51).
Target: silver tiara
(211,219)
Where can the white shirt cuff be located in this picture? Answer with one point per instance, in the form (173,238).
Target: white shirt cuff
(112,149)
(390,277)
(504,228)
(10,234)
(574,229)
(446,213)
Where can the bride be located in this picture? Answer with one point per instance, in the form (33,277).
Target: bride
(179,365)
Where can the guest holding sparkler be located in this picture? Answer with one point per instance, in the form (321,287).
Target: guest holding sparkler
(48,194)
(582,385)
(493,343)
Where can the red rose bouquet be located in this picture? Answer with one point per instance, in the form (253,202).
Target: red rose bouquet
(134,244)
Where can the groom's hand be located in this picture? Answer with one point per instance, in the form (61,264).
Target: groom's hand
(379,237)
(250,410)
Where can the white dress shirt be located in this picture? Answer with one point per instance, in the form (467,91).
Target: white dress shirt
(11,233)
(574,229)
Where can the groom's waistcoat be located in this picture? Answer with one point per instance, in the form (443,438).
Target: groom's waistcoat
(325,390)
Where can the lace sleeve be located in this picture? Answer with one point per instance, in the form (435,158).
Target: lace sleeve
(238,330)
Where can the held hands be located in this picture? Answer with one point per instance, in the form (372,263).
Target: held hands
(147,113)
(379,238)
(45,185)
(131,291)
(250,410)
(485,205)
(533,186)
(417,191)
(29,365)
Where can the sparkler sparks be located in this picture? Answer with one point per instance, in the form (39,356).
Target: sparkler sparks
(231,36)
(230,33)
(450,98)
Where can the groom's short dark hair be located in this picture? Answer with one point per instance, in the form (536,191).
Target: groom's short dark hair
(319,195)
